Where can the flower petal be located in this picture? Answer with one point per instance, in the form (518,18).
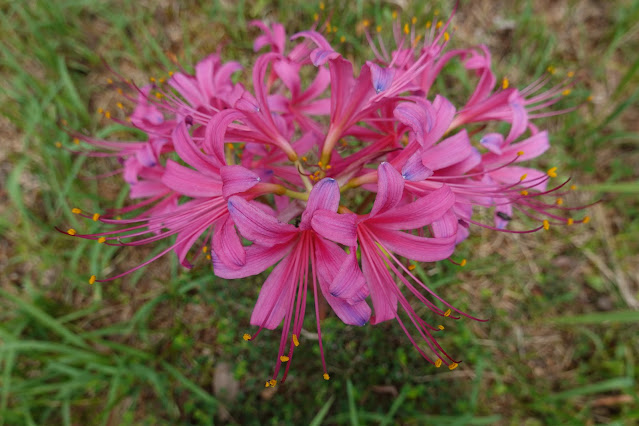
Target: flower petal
(448,152)
(419,213)
(236,179)
(418,116)
(190,182)
(413,247)
(390,188)
(272,303)
(414,169)
(335,227)
(380,77)
(256,225)
(323,196)
(227,245)
(258,259)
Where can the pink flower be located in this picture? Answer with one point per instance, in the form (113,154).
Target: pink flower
(308,253)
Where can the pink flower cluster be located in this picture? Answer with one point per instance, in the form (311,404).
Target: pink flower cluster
(340,185)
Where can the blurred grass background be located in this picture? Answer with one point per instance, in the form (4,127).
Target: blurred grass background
(164,345)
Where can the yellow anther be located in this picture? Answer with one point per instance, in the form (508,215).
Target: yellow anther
(570,74)
(411,267)
(550,69)
(272,382)
(246,337)
(71,231)
(171,73)
(566,92)
(152,79)
(92,279)
(205,249)
(446,36)
(413,20)
(326,376)
(406,29)
(589,98)
(315,17)
(267,384)
(552,172)
(428,24)
(570,221)
(394,14)
(439,25)
(322,5)
(523,192)
(284,358)
(319,163)
(523,177)
(76,210)
(304,159)
(76,141)
(505,83)
(119,105)
(546,224)
(101,240)
(559,201)
(58,144)
(118,217)
(436,12)
(366,23)
(378,28)
(328,167)
(453,366)
(441,327)
(311,177)
(107,114)
(342,39)
(119,91)
(520,153)
(586,219)
(328,27)
(162,80)
(447,313)
(295,341)
(230,146)
(463,263)
(438,363)
(417,40)
(573,187)
(95,217)
(208,257)
(158,95)
(100,110)
(109,81)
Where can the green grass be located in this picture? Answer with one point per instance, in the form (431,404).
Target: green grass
(560,348)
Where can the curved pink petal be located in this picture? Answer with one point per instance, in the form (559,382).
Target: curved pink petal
(349,283)
(381,78)
(390,188)
(419,213)
(272,303)
(414,169)
(227,245)
(236,179)
(418,116)
(413,247)
(335,227)
(190,182)
(448,152)
(191,154)
(216,130)
(324,196)
(256,225)
(258,259)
